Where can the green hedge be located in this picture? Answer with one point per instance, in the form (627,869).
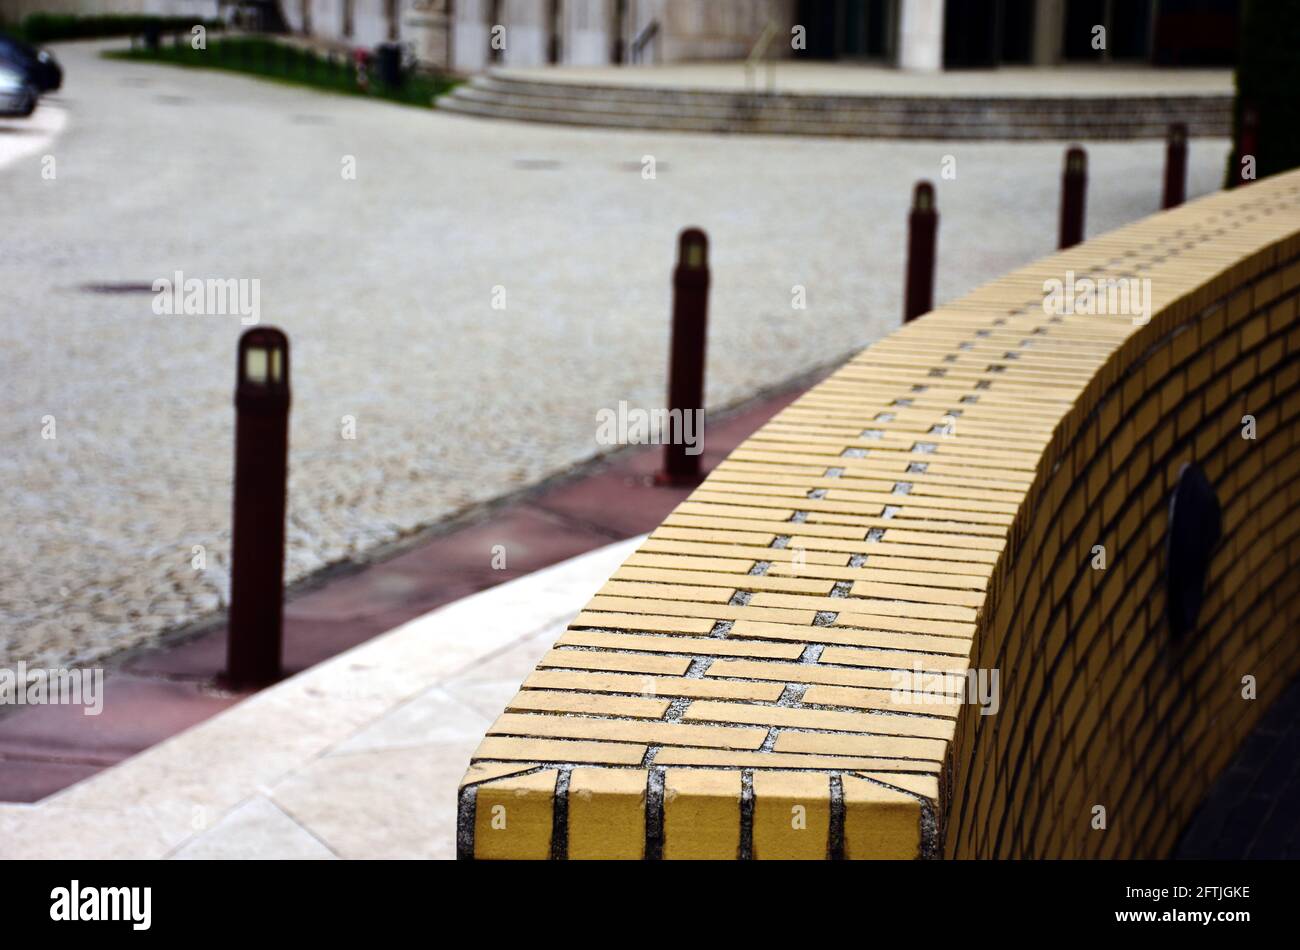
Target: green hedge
(284,62)
(1268,77)
(45,27)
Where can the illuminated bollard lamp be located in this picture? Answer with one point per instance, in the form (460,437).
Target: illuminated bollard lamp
(255,633)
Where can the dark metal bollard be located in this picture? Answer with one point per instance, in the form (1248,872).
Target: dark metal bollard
(922,230)
(1074,190)
(686,362)
(255,634)
(1175,167)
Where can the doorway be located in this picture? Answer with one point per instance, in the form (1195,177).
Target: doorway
(850,29)
(972,31)
(984,34)
(1127,24)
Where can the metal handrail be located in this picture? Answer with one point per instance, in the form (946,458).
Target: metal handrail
(642,40)
(759,54)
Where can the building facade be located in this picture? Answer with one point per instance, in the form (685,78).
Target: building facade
(472,35)
(12,11)
(927,35)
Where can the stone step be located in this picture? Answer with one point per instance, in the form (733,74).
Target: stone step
(657,94)
(749,111)
(876,127)
(1098,118)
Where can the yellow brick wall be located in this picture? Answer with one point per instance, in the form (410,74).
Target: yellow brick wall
(1102,706)
(734,690)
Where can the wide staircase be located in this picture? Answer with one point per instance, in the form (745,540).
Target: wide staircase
(1081,118)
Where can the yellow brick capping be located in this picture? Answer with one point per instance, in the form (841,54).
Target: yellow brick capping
(779,670)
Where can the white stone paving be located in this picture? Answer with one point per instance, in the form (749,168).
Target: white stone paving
(385,283)
(358,757)
(859,79)
(32,135)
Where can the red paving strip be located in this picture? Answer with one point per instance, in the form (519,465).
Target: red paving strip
(152,695)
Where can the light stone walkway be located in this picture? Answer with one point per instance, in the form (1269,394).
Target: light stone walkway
(856,79)
(33,135)
(358,757)
(385,285)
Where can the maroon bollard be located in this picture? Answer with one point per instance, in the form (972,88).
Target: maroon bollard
(922,230)
(686,361)
(1074,190)
(1175,167)
(1249,143)
(255,634)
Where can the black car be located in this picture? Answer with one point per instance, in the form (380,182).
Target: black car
(40,68)
(17,96)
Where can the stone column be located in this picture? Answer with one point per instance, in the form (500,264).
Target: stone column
(470,35)
(1049,24)
(528,31)
(920,35)
(588,32)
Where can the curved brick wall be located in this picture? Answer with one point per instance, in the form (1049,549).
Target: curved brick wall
(737,688)
(1102,704)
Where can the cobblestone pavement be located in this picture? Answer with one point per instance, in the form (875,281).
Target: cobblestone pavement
(385,285)
(1253,809)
